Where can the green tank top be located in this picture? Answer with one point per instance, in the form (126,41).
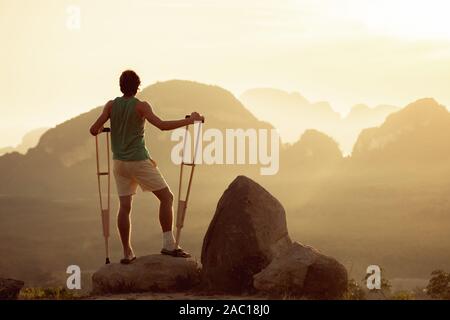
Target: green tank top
(127,131)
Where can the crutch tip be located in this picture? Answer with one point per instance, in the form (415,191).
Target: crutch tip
(107,261)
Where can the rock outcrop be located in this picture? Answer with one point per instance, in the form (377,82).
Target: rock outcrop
(247,249)
(247,231)
(303,271)
(10,289)
(153,273)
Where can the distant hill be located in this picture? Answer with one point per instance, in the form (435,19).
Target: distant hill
(29,140)
(370,116)
(292,114)
(6,150)
(314,149)
(419,133)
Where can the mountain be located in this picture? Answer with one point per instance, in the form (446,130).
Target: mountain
(6,150)
(359,118)
(292,114)
(361,113)
(29,140)
(419,133)
(314,149)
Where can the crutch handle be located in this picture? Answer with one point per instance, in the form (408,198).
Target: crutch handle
(188,116)
(106,130)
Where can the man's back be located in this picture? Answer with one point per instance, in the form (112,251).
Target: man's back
(127,130)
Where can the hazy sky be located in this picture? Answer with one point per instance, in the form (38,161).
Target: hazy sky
(342,51)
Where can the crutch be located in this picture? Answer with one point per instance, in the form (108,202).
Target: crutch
(182,204)
(104,211)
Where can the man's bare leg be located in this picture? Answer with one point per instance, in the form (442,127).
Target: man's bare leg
(165,197)
(124,225)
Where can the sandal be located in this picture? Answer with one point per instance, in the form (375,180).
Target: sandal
(127,260)
(177,253)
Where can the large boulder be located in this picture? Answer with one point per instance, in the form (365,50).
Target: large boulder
(248,229)
(153,273)
(303,271)
(10,288)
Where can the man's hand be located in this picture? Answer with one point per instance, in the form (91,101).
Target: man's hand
(94,132)
(97,127)
(195,116)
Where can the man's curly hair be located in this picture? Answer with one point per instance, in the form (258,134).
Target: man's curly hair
(129,83)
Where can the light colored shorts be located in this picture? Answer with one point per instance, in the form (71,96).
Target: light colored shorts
(131,174)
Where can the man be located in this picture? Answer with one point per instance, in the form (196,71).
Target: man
(132,164)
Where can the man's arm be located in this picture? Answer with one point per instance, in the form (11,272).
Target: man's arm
(146,111)
(97,127)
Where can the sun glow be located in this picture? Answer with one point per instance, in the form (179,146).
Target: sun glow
(413,19)
(341,51)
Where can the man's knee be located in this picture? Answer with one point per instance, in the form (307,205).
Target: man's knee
(164,195)
(167,196)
